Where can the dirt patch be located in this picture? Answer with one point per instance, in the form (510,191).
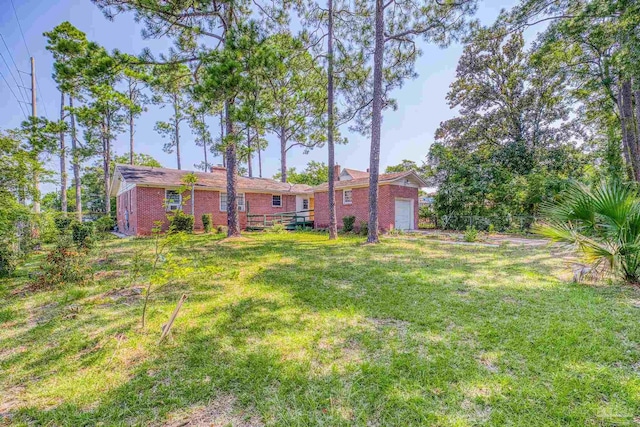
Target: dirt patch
(220,412)
(120,295)
(238,239)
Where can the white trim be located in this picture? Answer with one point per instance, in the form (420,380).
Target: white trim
(241,207)
(344,193)
(224,190)
(276,206)
(169,206)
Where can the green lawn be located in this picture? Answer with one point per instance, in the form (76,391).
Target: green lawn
(294,330)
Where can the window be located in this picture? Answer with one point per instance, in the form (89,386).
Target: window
(276,201)
(172,200)
(347,197)
(223,202)
(305,204)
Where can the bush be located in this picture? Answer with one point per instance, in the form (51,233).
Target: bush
(348,222)
(180,221)
(222,229)
(62,223)
(64,264)
(207,222)
(601,224)
(8,261)
(276,228)
(82,234)
(104,224)
(491,229)
(364,228)
(471,234)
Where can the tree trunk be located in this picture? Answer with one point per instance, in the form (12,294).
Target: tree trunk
(177,132)
(333,227)
(259,159)
(76,163)
(636,95)
(283,155)
(249,155)
(63,162)
(106,163)
(204,147)
(376,124)
(224,156)
(131,126)
(628,128)
(233,219)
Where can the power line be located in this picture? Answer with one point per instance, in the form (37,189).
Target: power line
(24,40)
(15,12)
(12,76)
(14,95)
(15,65)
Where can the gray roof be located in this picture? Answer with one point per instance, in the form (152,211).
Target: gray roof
(217,179)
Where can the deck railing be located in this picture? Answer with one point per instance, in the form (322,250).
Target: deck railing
(290,220)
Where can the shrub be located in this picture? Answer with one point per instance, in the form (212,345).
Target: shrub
(602,224)
(222,229)
(8,261)
(207,222)
(180,221)
(62,223)
(82,234)
(471,234)
(491,229)
(364,228)
(64,264)
(104,224)
(348,222)
(276,228)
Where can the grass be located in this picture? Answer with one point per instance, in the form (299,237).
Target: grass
(293,330)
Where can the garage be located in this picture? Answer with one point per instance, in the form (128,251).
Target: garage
(404,214)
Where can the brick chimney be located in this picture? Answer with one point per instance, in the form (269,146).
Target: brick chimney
(218,168)
(336,172)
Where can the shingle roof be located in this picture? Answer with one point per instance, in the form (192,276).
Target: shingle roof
(363,182)
(146,175)
(356,174)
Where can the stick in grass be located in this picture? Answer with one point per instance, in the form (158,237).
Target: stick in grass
(166,328)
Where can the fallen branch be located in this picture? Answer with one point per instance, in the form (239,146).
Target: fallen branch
(166,328)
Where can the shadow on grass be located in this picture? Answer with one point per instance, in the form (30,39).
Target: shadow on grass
(404,333)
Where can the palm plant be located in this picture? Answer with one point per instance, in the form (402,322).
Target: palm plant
(602,224)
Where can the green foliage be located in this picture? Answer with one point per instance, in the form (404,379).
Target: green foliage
(221,229)
(491,229)
(602,224)
(181,222)
(471,234)
(104,224)
(276,228)
(364,228)
(348,223)
(64,264)
(513,147)
(207,222)
(8,261)
(140,159)
(63,223)
(82,234)
(315,173)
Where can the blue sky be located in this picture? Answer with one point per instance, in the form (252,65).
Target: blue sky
(406,132)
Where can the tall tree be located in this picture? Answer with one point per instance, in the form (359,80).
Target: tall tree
(170,84)
(295,92)
(69,48)
(514,143)
(397,25)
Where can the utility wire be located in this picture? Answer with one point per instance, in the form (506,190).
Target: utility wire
(23,87)
(24,40)
(14,95)
(12,76)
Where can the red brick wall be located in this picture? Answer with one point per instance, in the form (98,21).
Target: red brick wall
(360,206)
(147,207)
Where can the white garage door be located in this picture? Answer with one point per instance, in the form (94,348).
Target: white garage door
(404,214)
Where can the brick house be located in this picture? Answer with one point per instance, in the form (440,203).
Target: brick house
(145,195)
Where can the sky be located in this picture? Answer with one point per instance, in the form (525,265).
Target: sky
(406,132)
